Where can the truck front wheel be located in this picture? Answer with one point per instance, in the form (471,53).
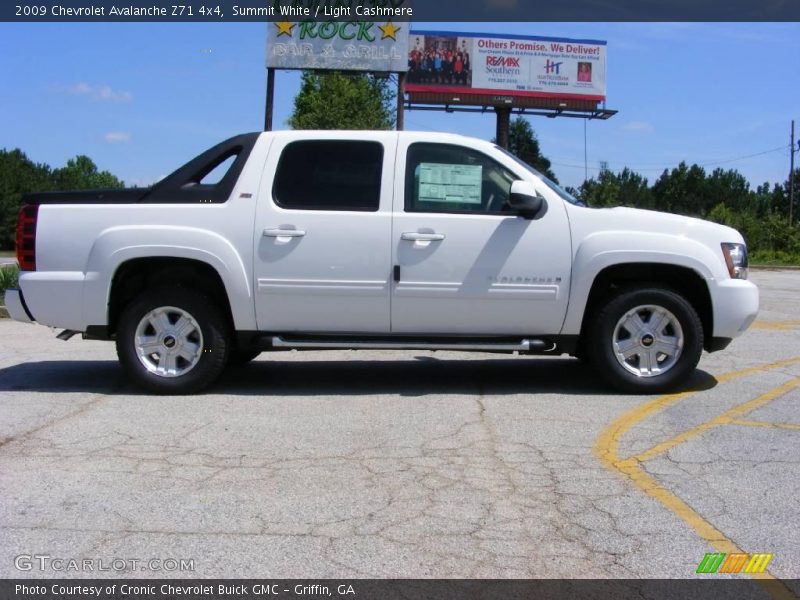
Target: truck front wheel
(171,340)
(645,340)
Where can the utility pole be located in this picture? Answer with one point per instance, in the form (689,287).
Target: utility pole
(585,154)
(791,177)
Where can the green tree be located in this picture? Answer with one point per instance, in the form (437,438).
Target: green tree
(81,174)
(761,200)
(603,191)
(633,189)
(729,187)
(333,100)
(523,143)
(18,176)
(784,197)
(626,188)
(721,214)
(682,190)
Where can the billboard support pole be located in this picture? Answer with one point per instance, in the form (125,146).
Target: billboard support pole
(503,125)
(270,99)
(401,101)
(585,154)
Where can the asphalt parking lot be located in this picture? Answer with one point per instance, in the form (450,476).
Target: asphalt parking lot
(404,464)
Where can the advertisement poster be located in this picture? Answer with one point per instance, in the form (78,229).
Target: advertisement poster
(344,45)
(513,66)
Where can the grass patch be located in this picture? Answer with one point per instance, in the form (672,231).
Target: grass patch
(774,258)
(8,279)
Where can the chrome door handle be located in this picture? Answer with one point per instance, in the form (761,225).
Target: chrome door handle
(415,236)
(290,233)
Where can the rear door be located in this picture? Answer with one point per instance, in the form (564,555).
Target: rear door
(323,232)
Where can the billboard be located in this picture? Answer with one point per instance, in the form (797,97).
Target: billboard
(516,66)
(342,45)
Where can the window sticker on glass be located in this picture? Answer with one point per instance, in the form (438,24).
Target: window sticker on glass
(459,184)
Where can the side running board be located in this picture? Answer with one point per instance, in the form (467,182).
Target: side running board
(487,345)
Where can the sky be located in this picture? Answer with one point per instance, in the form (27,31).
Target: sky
(143,98)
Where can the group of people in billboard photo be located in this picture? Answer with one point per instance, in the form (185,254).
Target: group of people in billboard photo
(439,61)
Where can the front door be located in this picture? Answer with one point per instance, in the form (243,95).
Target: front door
(322,236)
(466,263)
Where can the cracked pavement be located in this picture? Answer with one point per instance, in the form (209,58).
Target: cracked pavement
(393,464)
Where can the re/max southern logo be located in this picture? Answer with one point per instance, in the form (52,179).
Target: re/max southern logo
(503,65)
(551,67)
(741,562)
(509,62)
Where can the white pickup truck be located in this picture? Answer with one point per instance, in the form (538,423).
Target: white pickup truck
(380,240)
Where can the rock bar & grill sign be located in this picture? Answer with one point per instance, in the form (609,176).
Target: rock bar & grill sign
(358,45)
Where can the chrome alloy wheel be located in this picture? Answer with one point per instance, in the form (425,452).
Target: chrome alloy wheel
(169,342)
(648,341)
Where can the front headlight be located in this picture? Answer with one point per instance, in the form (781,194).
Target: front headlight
(735,259)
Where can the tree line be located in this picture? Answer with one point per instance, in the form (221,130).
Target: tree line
(761,214)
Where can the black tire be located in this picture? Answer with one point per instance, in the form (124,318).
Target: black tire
(600,343)
(215,341)
(238,358)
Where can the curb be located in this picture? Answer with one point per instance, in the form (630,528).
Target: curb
(774,268)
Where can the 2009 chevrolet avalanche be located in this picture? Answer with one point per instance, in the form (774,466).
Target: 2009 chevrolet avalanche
(363,239)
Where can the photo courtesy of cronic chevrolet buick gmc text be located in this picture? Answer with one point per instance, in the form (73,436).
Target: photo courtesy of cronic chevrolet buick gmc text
(380,240)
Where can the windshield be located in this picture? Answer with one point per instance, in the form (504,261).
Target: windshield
(561,192)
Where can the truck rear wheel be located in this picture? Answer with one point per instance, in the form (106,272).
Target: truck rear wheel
(645,340)
(171,340)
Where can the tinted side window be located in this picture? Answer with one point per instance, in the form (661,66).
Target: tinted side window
(453,179)
(329,175)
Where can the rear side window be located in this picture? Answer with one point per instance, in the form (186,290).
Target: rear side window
(208,178)
(329,175)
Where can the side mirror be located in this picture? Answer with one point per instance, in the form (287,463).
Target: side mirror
(526,200)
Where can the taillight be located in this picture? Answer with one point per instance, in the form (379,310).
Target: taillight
(26,237)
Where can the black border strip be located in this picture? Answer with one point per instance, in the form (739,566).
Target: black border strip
(445,11)
(710,588)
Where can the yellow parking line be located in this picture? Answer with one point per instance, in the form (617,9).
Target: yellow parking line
(776,325)
(606,450)
(725,418)
(771,425)
(606,445)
